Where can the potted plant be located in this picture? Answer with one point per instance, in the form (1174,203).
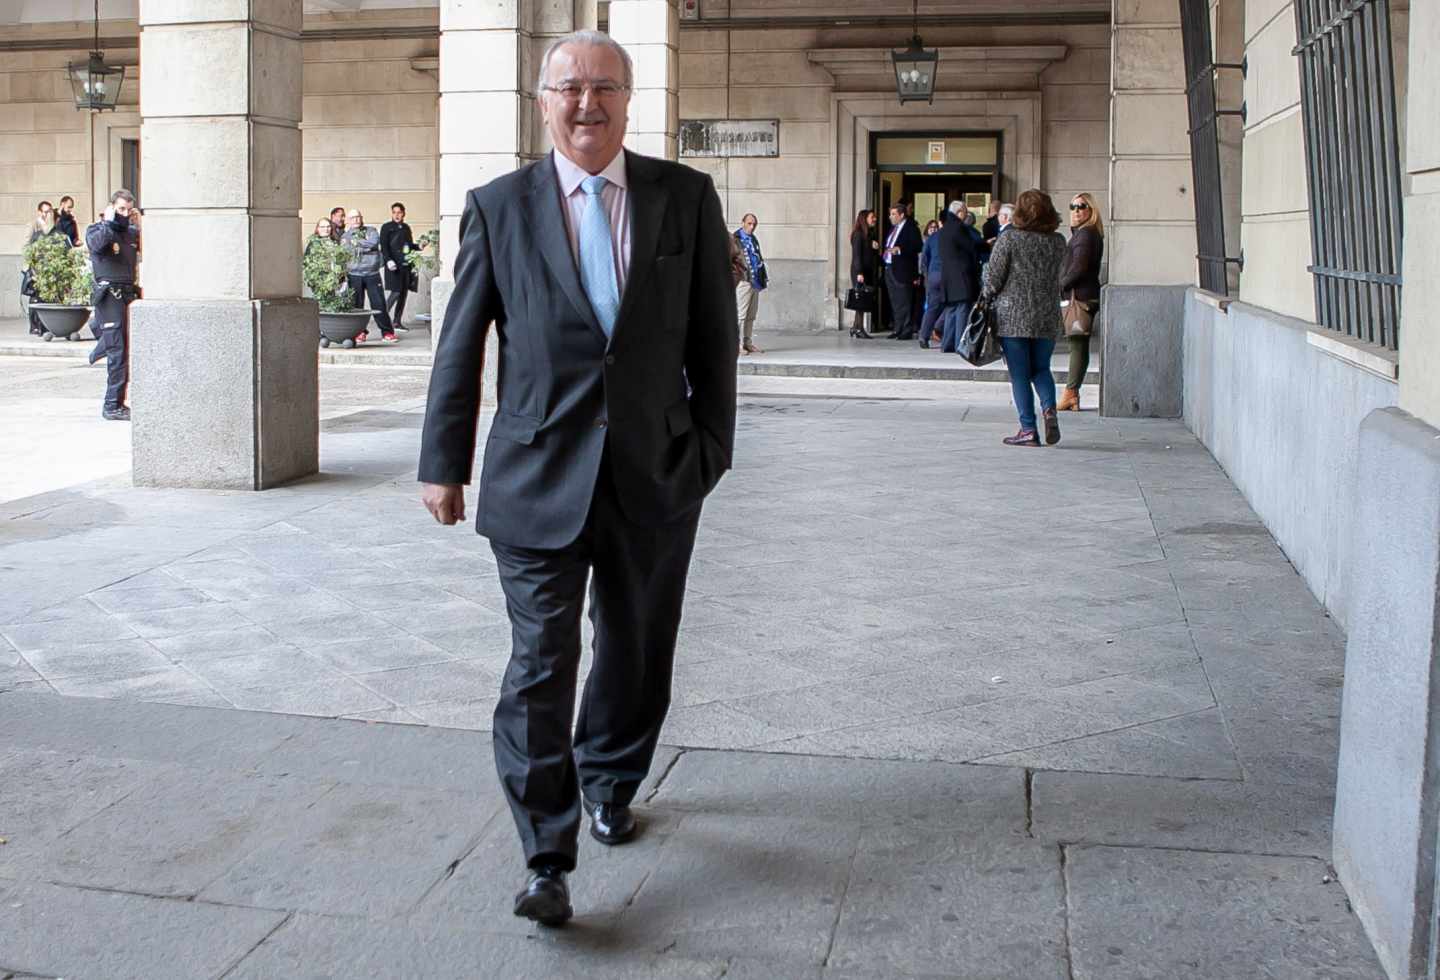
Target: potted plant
(425,264)
(324,269)
(63,283)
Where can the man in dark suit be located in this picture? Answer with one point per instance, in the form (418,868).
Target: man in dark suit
(901,256)
(607,277)
(960,249)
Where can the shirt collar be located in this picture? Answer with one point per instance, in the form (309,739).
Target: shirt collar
(570,174)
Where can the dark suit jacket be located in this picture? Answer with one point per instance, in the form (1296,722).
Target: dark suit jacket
(1081,272)
(960,250)
(864,260)
(659,397)
(396,241)
(906,265)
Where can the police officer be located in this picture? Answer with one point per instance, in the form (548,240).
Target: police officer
(114,243)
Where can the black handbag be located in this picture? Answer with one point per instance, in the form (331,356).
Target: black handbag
(27,285)
(978,343)
(860,298)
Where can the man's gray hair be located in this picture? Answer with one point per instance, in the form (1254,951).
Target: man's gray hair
(597,39)
(957,206)
(1008,210)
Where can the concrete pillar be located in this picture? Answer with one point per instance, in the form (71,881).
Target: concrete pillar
(1150,231)
(650,31)
(490,124)
(1387,795)
(223,362)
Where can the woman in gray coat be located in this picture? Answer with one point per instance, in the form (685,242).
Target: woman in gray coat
(1022,286)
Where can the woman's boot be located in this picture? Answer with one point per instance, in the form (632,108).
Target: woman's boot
(1069,401)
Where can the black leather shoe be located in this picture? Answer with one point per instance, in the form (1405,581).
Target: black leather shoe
(545,898)
(121,414)
(611,823)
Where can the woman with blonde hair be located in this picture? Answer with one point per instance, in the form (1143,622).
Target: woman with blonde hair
(1080,283)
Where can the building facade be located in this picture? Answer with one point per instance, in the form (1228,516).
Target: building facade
(1310,367)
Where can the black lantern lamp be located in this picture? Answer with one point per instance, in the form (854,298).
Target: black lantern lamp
(915,68)
(96,84)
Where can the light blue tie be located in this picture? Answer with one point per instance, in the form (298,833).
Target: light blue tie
(597,256)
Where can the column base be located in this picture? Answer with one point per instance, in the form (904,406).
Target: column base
(1141,363)
(1387,794)
(225,393)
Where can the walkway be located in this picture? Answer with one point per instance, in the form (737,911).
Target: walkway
(942,708)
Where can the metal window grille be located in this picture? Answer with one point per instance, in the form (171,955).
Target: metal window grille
(1352,151)
(1200,70)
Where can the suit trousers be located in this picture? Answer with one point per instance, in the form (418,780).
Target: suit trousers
(395,304)
(934,310)
(636,589)
(364,286)
(902,304)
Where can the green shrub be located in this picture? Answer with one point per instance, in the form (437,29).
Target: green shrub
(427,261)
(323,269)
(62,274)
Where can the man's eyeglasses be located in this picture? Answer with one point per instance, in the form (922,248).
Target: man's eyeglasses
(573,91)
(1079,207)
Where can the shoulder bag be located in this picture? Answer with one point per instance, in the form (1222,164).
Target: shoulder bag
(1078,316)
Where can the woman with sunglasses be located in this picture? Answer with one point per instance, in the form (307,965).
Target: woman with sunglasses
(1080,283)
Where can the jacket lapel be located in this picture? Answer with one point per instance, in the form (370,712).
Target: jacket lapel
(648,200)
(554,240)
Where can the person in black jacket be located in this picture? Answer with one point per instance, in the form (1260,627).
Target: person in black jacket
(65,221)
(1080,276)
(959,250)
(114,244)
(864,266)
(396,242)
(901,256)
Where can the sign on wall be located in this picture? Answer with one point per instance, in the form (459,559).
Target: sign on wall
(689,9)
(729,137)
(936,152)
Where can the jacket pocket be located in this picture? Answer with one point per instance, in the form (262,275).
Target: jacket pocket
(515,428)
(677,418)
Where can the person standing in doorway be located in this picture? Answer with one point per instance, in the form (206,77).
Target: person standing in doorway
(864,267)
(747,294)
(1022,282)
(397,242)
(363,276)
(959,251)
(616,418)
(902,272)
(114,244)
(1080,283)
(991,229)
(934,278)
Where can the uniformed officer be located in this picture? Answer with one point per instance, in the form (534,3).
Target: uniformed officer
(114,243)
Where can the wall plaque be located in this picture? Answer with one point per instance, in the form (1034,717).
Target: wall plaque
(729,137)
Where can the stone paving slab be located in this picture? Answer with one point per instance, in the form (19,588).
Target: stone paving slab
(1134,914)
(54,931)
(1218,815)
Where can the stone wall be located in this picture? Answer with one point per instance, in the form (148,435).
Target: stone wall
(805,199)
(1282,414)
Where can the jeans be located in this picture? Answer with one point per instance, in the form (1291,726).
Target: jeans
(364,286)
(1028,360)
(956,316)
(934,310)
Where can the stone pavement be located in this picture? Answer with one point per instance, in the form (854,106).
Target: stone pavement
(942,708)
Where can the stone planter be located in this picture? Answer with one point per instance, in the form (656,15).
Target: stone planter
(342,328)
(61,320)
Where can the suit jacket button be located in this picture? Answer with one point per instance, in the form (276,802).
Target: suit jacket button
(609,358)
(599,423)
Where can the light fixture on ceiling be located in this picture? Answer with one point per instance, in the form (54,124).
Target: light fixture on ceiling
(915,67)
(96,85)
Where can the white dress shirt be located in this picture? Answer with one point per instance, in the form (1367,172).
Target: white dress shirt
(616,199)
(890,242)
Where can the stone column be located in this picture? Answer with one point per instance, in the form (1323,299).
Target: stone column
(1150,231)
(1387,794)
(650,31)
(223,366)
(490,54)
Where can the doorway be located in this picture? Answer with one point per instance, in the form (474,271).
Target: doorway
(929,170)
